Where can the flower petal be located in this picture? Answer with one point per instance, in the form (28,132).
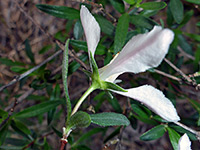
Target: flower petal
(184,143)
(154,100)
(142,52)
(91,29)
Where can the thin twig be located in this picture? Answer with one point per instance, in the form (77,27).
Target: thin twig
(197,133)
(13,105)
(20,99)
(167,75)
(185,54)
(185,77)
(60,44)
(18,78)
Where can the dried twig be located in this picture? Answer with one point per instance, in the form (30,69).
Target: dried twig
(18,78)
(185,54)
(60,44)
(167,75)
(185,77)
(197,133)
(13,105)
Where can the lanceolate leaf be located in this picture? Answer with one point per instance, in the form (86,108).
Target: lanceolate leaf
(29,52)
(109,119)
(38,109)
(177,10)
(142,21)
(153,5)
(121,32)
(64,78)
(153,133)
(174,137)
(59,11)
(118,5)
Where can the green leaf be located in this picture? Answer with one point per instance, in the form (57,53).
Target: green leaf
(153,5)
(195,104)
(153,133)
(11,147)
(54,96)
(177,10)
(109,119)
(142,21)
(9,62)
(188,15)
(78,30)
(174,137)
(131,2)
(45,49)
(112,86)
(194,1)
(105,25)
(22,127)
(81,45)
(29,52)
(59,11)
(18,69)
(87,135)
(79,120)
(3,115)
(121,32)
(118,5)
(3,133)
(38,109)
(185,45)
(64,79)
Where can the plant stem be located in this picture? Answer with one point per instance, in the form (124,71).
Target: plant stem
(80,101)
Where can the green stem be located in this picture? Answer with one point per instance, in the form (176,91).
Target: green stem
(80,101)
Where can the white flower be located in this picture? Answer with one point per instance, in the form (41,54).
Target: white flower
(184,143)
(142,52)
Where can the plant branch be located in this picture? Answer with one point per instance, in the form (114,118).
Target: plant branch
(13,105)
(60,44)
(167,75)
(197,133)
(18,78)
(185,77)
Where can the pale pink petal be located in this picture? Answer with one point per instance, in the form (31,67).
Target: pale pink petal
(91,29)
(142,52)
(184,143)
(154,100)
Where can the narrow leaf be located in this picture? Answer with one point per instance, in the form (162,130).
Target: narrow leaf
(177,10)
(78,30)
(64,78)
(194,1)
(3,133)
(131,2)
(121,32)
(109,119)
(106,26)
(174,137)
(153,5)
(153,133)
(29,52)
(118,5)
(38,109)
(88,134)
(142,21)
(59,11)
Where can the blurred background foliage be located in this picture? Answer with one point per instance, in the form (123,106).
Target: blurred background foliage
(33,110)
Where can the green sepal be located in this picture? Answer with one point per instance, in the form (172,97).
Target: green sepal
(95,71)
(79,120)
(112,86)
